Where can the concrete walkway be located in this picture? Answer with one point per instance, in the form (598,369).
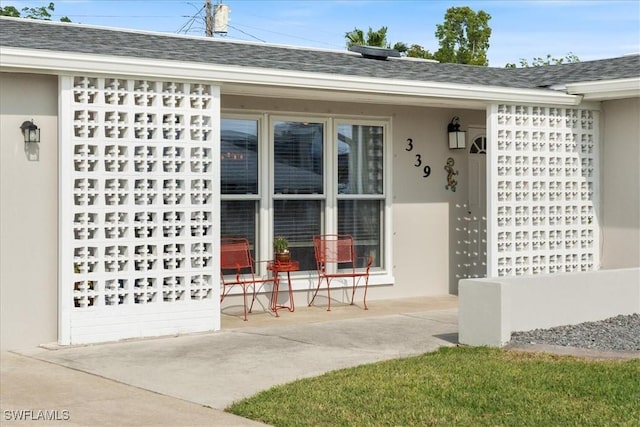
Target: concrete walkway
(190,379)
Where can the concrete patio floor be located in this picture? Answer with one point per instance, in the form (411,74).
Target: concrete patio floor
(190,379)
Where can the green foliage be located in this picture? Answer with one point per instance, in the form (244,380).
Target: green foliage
(417,51)
(458,386)
(355,37)
(280,244)
(42,12)
(9,11)
(463,37)
(400,47)
(373,38)
(377,38)
(569,58)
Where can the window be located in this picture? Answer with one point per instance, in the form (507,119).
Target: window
(298,190)
(239,156)
(298,166)
(298,221)
(306,177)
(479,145)
(360,179)
(239,189)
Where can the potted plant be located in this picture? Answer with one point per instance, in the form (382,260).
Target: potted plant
(281,249)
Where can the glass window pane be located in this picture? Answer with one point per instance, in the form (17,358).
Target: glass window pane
(238,219)
(360,159)
(298,157)
(298,221)
(239,156)
(362,219)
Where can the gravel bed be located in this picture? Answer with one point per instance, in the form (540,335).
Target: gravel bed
(620,333)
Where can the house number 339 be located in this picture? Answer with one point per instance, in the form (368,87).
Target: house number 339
(426,169)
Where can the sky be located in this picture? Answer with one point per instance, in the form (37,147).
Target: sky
(521,29)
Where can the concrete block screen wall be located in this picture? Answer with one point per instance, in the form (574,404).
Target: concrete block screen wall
(139,217)
(543,181)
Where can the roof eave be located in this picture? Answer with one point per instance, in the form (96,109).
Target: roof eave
(606,89)
(35,60)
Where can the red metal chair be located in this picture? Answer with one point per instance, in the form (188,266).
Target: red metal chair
(336,258)
(235,258)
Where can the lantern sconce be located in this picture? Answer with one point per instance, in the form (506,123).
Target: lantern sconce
(456,136)
(30,131)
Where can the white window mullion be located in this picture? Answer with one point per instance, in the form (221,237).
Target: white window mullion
(265,212)
(387,219)
(331,178)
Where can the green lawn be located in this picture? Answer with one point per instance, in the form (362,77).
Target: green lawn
(459,387)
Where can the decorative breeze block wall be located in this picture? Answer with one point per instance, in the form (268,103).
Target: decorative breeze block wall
(544,184)
(139,215)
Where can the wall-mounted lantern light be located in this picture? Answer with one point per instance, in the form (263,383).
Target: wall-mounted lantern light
(30,131)
(456,136)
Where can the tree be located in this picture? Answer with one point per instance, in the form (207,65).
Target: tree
(42,12)
(377,38)
(463,37)
(9,11)
(417,51)
(569,58)
(374,38)
(400,47)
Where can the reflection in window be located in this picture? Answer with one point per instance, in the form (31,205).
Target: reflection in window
(238,219)
(298,157)
(360,159)
(239,156)
(239,176)
(298,221)
(362,219)
(361,173)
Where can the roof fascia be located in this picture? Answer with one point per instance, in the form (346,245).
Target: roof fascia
(606,89)
(43,60)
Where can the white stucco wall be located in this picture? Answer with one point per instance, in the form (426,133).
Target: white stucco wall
(621,183)
(429,249)
(489,310)
(29,216)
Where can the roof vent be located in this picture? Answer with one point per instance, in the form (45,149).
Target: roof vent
(373,52)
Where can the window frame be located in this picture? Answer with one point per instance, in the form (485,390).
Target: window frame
(272,196)
(330,196)
(258,197)
(385,209)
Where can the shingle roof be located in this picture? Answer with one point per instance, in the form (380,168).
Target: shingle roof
(31,34)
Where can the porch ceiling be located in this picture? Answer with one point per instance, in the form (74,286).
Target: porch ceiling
(350,96)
